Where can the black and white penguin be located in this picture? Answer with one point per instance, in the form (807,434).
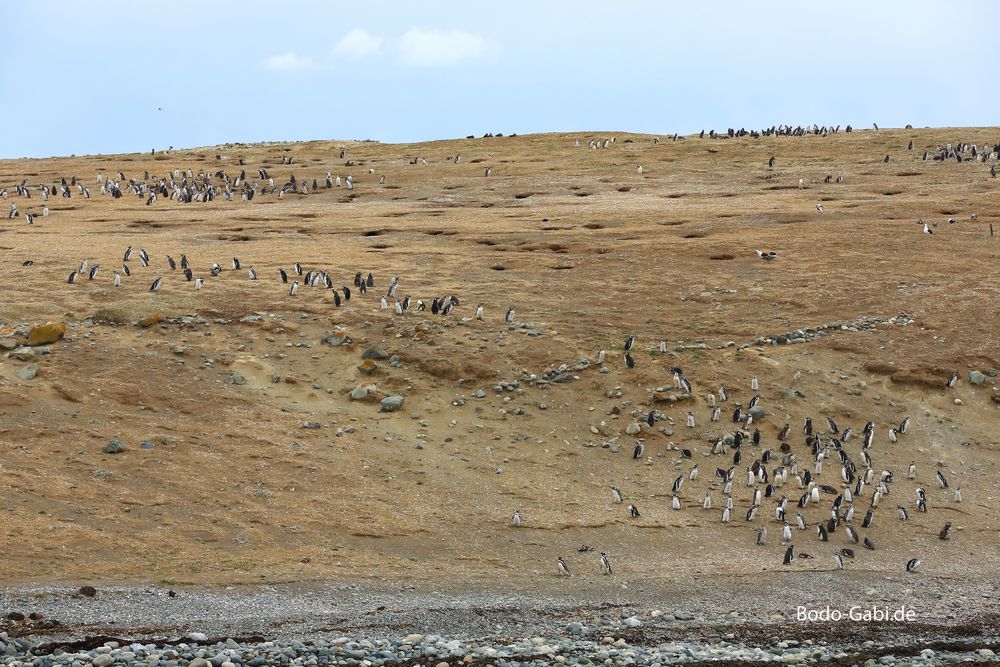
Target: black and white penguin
(294,289)
(912,565)
(605,563)
(563,568)
(616,493)
(283,275)
(789,555)
(633,511)
(155,287)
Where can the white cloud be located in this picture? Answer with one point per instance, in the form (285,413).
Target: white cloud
(358,43)
(432,48)
(288,61)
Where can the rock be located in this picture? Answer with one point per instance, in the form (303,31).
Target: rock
(362,391)
(757,413)
(28,372)
(22,354)
(392,403)
(198,636)
(150,320)
(367,367)
(375,353)
(8,344)
(103,661)
(632,622)
(43,334)
(312,425)
(334,339)
(480,394)
(114,446)
(975,377)
(633,428)
(199,662)
(237,378)
(87,591)
(146,444)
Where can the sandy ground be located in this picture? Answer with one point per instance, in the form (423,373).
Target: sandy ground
(236,491)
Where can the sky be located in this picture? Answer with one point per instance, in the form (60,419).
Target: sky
(85,78)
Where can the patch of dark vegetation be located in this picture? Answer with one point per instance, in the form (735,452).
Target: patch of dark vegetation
(722,257)
(593,225)
(625,188)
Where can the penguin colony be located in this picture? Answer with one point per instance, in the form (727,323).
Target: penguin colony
(792,491)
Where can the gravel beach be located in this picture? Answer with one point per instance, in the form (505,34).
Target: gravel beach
(720,620)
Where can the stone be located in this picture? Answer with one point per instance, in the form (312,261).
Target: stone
(392,403)
(633,428)
(47,333)
(375,353)
(8,344)
(975,377)
(197,637)
(237,378)
(28,372)
(150,320)
(146,444)
(367,367)
(87,591)
(334,339)
(103,661)
(480,394)
(22,354)
(757,413)
(362,391)
(114,446)
(632,622)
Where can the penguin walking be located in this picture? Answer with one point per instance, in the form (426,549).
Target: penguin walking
(605,564)
(155,287)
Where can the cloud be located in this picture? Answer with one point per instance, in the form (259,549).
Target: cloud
(288,61)
(434,48)
(358,43)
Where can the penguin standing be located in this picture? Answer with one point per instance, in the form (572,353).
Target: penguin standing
(515,520)
(605,563)
(789,554)
(563,568)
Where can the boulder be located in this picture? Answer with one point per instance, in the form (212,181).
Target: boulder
(43,334)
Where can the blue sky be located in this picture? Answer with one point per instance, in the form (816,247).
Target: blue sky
(91,77)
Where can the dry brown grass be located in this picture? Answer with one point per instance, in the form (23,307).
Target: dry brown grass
(236,490)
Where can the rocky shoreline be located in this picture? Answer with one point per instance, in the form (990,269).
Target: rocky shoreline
(375,625)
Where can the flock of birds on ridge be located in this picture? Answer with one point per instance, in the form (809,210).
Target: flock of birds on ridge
(769,469)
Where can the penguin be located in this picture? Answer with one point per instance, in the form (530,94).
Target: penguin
(336,298)
(93,271)
(832,424)
(216,269)
(616,493)
(789,554)
(911,471)
(198,283)
(188,274)
(563,569)
(903,514)
(72,277)
(171,263)
(706,503)
(693,475)
(633,511)
(714,415)
(638,451)
(912,564)
(118,279)
(867,522)
(676,503)
(762,535)
(952,379)
(903,425)
(783,435)
(725,515)
(515,520)
(958,494)
(945,533)
(629,342)
(690,420)
(723,394)
(283,275)
(509,318)
(753,384)
(942,482)
(838,560)
(155,287)
(605,564)
(298,269)
(295,288)
(629,361)
(479,312)
(347,293)
(892,434)
(927,230)
(807,426)
(869,544)
(236,264)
